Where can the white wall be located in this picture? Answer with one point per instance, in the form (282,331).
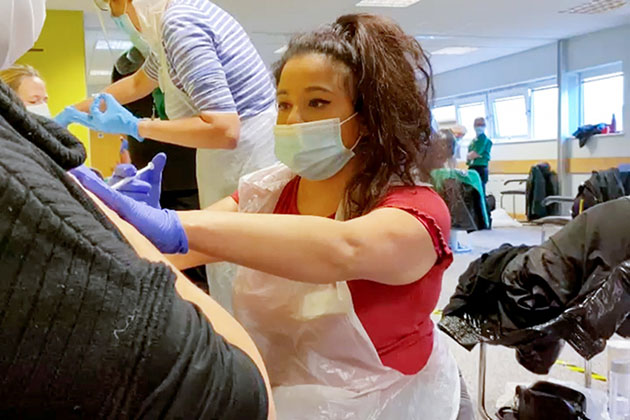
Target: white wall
(586,51)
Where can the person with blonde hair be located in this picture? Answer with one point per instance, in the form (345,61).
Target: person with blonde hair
(29,87)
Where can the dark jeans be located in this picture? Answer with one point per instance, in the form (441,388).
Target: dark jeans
(483,173)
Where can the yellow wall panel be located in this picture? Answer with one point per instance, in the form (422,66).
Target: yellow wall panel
(59,55)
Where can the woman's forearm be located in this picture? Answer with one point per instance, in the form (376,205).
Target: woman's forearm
(304,248)
(126,90)
(221,131)
(191,259)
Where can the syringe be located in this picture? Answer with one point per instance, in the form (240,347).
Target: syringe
(126,181)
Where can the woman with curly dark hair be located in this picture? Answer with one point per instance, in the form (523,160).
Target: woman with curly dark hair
(343,245)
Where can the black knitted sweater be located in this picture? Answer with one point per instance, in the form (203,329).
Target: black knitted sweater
(87,328)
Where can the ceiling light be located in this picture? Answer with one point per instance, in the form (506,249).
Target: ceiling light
(432,37)
(455,51)
(386,3)
(594,7)
(115,44)
(100,73)
(281,50)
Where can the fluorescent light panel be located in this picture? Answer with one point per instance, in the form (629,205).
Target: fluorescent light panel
(455,51)
(100,73)
(114,44)
(386,3)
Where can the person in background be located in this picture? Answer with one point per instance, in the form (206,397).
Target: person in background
(459,131)
(29,86)
(125,157)
(178,182)
(479,152)
(219,95)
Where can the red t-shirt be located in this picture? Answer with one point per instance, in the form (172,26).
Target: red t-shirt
(398,318)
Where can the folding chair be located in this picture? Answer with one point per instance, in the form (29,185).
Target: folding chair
(553,220)
(481,381)
(513,193)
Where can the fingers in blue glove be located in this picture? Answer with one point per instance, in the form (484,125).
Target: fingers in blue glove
(115,119)
(72,115)
(124,170)
(154,178)
(162,227)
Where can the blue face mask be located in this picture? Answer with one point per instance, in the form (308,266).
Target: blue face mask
(313,150)
(124,24)
(480,130)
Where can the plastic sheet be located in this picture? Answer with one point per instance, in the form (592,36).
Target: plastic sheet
(321,362)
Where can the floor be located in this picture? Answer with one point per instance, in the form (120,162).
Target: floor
(502,365)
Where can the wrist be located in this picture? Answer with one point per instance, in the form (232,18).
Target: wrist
(182,240)
(141,129)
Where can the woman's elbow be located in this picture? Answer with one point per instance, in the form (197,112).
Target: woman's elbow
(226,127)
(231,139)
(348,260)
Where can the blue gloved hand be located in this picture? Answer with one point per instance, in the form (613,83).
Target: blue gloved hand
(133,188)
(115,119)
(72,115)
(160,226)
(147,186)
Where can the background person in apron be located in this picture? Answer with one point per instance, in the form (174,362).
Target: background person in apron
(343,245)
(218,92)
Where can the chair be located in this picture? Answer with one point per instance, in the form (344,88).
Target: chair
(513,193)
(481,381)
(553,220)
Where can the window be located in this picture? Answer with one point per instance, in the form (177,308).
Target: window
(545,113)
(602,97)
(511,117)
(445,114)
(468,113)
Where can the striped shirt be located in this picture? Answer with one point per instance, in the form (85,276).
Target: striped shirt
(212,60)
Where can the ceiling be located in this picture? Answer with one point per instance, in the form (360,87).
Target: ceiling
(496,27)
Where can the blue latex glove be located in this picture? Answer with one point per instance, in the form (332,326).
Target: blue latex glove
(72,115)
(160,226)
(135,188)
(147,186)
(115,119)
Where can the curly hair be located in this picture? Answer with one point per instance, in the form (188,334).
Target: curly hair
(389,77)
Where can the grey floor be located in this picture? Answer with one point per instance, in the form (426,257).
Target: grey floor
(502,365)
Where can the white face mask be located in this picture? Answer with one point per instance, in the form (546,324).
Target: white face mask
(40,109)
(21,22)
(313,150)
(479,130)
(124,24)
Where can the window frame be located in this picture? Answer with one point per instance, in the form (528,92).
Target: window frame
(600,73)
(543,85)
(501,94)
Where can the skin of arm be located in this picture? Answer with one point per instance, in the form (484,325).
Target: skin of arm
(221,320)
(209,130)
(126,90)
(194,258)
(388,246)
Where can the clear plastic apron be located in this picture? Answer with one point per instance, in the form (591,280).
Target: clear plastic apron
(218,171)
(321,362)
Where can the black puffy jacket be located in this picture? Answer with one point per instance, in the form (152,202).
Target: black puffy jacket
(574,288)
(88,329)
